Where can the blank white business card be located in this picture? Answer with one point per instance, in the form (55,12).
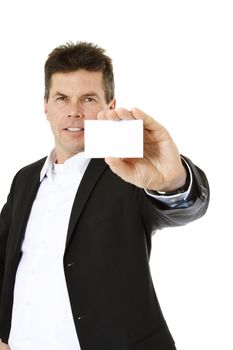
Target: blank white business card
(107,138)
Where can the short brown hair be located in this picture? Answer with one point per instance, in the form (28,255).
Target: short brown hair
(82,55)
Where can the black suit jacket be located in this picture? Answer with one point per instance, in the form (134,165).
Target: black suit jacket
(106,259)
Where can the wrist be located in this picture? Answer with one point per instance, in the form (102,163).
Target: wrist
(179,188)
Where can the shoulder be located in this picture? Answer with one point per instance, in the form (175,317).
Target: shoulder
(33,167)
(26,178)
(29,172)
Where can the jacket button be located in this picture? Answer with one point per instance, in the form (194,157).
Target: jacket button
(70,264)
(81,317)
(204,192)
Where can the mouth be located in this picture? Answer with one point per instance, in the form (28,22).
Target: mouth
(74,130)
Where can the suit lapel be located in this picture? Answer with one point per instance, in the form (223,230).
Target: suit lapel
(94,170)
(27,191)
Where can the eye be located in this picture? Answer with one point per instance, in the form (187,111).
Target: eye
(89,99)
(61,98)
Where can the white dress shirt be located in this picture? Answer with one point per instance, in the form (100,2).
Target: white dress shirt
(178,200)
(42,316)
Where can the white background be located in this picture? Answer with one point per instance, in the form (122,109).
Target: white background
(174,60)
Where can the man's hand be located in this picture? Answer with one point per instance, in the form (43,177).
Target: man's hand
(4,346)
(161,168)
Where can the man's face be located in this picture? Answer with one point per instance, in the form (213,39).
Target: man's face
(73,98)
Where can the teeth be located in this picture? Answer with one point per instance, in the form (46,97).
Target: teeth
(74,129)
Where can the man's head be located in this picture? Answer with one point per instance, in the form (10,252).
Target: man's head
(79,84)
(82,55)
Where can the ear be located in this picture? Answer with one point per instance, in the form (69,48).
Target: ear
(112,104)
(46,108)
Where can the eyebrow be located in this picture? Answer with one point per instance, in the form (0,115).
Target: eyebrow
(91,93)
(57,93)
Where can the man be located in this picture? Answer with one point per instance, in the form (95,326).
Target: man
(75,234)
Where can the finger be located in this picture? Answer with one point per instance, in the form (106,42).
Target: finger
(120,167)
(108,115)
(112,115)
(148,122)
(124,114)
(101,115)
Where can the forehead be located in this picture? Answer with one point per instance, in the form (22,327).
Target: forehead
(80,79)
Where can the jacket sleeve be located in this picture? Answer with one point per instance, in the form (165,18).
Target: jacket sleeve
(157,215)
(5,224)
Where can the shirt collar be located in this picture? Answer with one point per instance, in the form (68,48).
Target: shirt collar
(77,161)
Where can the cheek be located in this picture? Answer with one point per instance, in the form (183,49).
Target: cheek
(54,124)
(56,127)
(91,112)
(55,118)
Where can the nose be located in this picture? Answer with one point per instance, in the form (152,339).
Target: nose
(75,110)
